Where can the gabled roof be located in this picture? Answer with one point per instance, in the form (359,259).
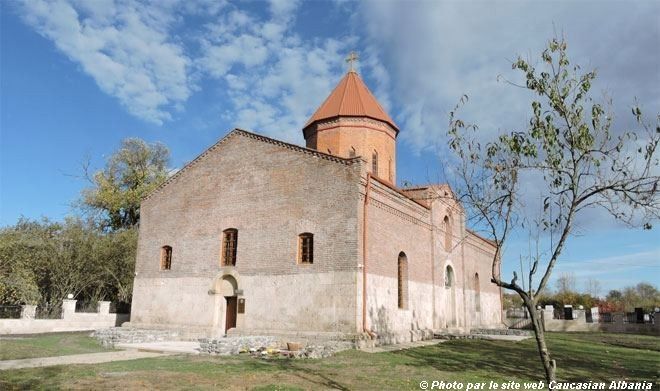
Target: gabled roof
(254,136)
(351,98)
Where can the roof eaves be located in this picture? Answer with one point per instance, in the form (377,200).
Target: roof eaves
(396,189)
(488,241)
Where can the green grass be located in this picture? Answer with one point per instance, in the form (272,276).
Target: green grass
(580,357)
(45,345)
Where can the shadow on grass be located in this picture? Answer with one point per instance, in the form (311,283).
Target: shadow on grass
(477,356)
(577,359)
(300,370)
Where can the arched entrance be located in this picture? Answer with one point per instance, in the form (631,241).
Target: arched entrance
(226,302)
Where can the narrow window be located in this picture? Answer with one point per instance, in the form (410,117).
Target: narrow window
(306,248)
(351,152)
(402,276)
(447,228)
(374,163)
(477,293)
(391,172)
(449,277)
(165,258)
(229,244)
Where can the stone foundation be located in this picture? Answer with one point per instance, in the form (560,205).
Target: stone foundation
(110,337)
(268,346)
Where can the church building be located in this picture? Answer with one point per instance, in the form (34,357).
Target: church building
(259,236)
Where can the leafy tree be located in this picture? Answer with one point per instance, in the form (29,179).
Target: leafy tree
(614,295)
(129,174)
(41,262)
(568,148)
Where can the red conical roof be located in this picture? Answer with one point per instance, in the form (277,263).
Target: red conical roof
(351,98)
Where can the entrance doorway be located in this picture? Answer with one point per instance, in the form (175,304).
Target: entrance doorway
(230,318)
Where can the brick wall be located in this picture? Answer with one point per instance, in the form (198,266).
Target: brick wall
(271,192)
(365,135)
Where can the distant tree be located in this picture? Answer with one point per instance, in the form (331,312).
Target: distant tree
(594,287)
(511,300)
(614,295)
(568,149)
(129,174)
(642,295)
(649,296)
(566,283)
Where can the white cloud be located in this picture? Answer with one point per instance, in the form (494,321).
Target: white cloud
(275,77)
(151,58)
(123,46)
(616,270)
(443,50)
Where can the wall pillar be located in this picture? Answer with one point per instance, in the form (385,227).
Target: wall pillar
(548,312)
(68,308)
(103,308)
(28,311)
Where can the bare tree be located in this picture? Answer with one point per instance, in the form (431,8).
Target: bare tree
(594,287)
(567,147)
(566,283)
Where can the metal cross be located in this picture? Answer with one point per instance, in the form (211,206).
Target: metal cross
(351,59)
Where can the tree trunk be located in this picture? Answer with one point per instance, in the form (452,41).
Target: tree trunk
(549,364)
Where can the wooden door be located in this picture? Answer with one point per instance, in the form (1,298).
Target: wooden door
(231,313)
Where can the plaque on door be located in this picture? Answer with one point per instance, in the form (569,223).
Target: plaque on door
(241,306)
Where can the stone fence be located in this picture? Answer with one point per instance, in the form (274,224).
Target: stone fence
(70,321)
(583,321)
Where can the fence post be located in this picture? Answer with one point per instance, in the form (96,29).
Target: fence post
(103,308)
(68,308)
(28,311)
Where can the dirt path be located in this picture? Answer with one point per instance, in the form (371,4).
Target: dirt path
(88,358)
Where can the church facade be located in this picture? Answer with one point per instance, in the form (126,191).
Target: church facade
(258,236)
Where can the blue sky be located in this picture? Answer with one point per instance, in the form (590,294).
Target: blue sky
(79,76)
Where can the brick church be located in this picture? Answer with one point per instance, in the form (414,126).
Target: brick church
(259,236)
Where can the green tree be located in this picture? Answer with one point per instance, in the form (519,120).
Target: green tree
(129,174)
(567,146)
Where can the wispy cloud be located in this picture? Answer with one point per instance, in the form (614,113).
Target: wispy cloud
(614,271)
(448,49)
(124,46)
(275,77)
(152,58)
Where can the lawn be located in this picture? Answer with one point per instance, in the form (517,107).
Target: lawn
(580,357)
(44,345)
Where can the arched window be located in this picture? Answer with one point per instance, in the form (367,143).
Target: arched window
(477,293)
(449,277)
(351,152)
(402,277)
(229,246)
(374,163)
(165,258)
(446,226)
(306,248)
